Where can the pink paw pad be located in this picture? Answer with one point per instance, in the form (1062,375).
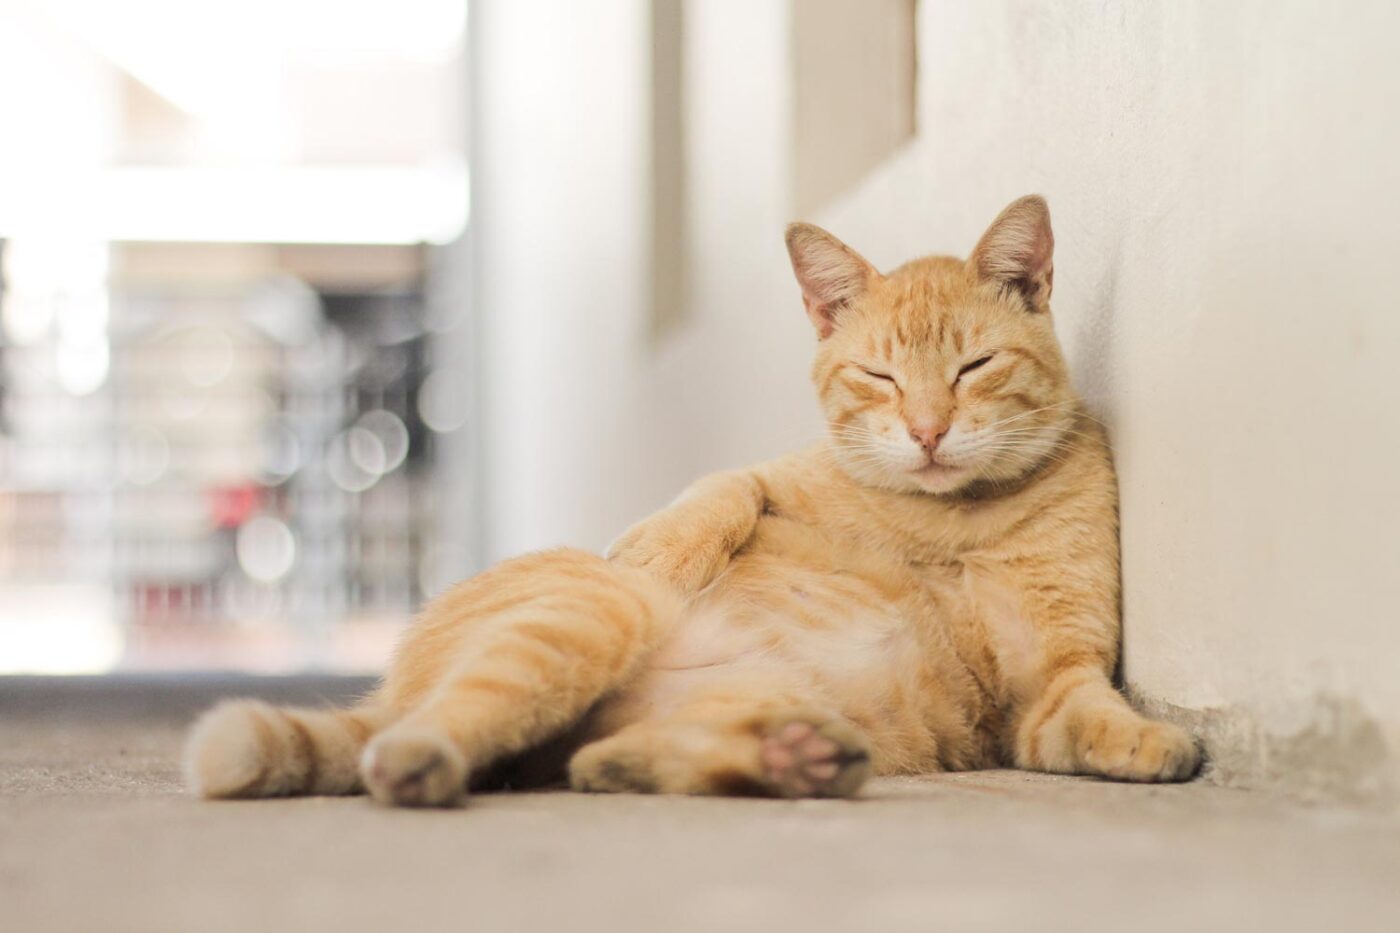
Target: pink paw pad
(800,761)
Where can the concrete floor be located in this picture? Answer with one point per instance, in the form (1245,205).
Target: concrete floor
(96,835)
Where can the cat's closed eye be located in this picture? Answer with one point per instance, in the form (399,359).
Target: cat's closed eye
(886,377)
(975,364)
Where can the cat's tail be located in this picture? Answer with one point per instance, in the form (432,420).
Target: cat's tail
(248,748)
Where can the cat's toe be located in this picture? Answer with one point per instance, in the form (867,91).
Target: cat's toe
(814,757)
(1143,750)
(414,768)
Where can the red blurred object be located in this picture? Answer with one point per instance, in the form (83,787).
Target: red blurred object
(231,506)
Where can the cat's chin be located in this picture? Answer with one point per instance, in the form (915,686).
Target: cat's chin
(939,478)
(932,479)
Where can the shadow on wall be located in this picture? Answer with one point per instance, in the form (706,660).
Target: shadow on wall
(1094,329)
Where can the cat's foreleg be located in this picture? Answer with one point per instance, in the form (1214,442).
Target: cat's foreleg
(548,636)
(690,542)
(1069,718)
(1080,724)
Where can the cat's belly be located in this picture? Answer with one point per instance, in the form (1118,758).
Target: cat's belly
(812,609)
(856,640)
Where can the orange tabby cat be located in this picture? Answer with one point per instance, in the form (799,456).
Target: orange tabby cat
(934,588)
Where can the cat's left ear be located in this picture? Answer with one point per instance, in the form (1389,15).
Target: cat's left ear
(1018,251)
(831,274)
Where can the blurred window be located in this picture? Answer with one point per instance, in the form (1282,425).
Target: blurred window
(220,415)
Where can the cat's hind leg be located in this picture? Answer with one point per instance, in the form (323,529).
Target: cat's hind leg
(730,744)
(541,640)
(1080,724)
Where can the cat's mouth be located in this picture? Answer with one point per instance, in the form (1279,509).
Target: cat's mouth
(935,469)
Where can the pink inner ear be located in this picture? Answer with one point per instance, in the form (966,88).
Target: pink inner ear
(1041,254)
(823,317)
(1018,250)
(830,274)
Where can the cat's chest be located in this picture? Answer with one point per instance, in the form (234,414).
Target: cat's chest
(989,623)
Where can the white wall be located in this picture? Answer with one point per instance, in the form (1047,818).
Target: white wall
(590,421)
(558,152)
(1223,179)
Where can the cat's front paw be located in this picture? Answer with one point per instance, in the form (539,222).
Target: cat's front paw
(409,767)
(682,553)
(1135,749)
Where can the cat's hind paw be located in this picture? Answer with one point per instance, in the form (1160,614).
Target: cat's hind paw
(805,757)
(409,767)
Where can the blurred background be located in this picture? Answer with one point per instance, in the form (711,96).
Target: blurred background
(310,308)
(229,394)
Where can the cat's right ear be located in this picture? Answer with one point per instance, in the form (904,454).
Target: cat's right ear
(831,274)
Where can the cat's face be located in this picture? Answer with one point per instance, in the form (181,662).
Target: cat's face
(943,375)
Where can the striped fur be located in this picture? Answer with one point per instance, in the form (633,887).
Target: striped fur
(934,588)
(246,748)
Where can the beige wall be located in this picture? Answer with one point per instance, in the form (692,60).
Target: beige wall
(591,418)
(1223,181)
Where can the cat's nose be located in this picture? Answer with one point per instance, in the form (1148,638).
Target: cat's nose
(928,435)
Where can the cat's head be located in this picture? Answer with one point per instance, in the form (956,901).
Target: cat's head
(944,375)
